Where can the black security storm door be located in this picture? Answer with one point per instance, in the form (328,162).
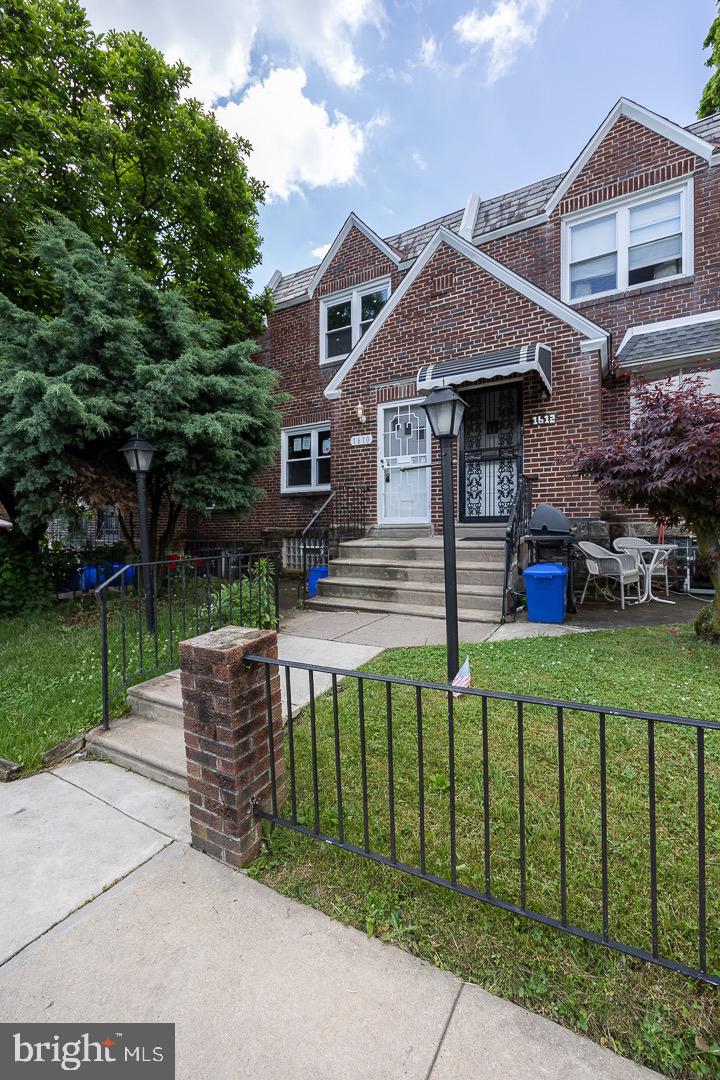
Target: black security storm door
(490,452)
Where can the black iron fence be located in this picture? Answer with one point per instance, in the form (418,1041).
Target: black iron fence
(600,822)
(147,609)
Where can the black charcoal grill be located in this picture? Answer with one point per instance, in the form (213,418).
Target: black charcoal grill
(550,539)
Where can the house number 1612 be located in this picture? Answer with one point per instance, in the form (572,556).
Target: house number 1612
(543,418)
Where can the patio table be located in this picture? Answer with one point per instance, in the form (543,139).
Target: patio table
(647,565)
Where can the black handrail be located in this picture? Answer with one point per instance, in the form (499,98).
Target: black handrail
(340,517)
(189,596)
(517,527)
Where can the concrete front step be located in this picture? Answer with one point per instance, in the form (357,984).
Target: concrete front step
(386,607)
(409,592)
(150,747)
(158,699)
(468,553)
(150,741)
(480,574)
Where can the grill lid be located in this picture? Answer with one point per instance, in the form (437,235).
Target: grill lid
(548,520)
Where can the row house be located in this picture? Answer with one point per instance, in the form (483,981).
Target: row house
(535,306)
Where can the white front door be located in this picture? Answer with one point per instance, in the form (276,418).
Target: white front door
(403,439)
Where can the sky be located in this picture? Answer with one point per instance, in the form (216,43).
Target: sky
(399,109)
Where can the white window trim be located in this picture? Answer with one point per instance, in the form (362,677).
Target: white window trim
(355,296)
(616,206)
(297,429)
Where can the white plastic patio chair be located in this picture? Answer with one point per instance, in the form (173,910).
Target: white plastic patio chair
(602,563)
(636,545)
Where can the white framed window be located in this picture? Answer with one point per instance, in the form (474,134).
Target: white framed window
(628,243)
(305,458)
(345,317)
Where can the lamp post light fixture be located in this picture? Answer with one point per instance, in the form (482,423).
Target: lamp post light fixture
(445,411)
(139,455)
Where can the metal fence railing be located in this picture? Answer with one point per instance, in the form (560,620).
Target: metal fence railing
(602,823)
(147,609)
(517,527)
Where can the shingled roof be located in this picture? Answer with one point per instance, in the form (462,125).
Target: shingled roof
(694,336)
(708,129)
(497,213)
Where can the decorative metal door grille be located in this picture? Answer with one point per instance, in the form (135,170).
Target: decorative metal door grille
(490,453)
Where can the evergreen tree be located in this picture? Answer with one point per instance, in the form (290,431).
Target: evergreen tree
(123,358)
(96,127)
(710,100)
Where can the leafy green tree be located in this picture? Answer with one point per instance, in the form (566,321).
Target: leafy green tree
(97,128)
(123,358)
(710,100)
(667,462)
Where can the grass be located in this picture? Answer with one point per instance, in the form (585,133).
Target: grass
(49,680)
(50,686)
(664,1020)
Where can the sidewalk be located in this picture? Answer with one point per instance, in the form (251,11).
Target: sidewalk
(404,631)
(257,985)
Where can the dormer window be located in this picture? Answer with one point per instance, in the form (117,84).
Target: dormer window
(345,317)
(632,242)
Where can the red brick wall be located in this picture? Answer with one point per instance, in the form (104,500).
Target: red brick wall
(293,349)
(454,309)
(631,158)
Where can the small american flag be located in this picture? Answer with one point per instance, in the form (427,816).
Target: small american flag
(463,676)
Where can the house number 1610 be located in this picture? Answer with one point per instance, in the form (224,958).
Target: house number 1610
(543,418)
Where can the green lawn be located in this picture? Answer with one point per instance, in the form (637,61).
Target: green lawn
(49,680)
(667,1021)
(50,684)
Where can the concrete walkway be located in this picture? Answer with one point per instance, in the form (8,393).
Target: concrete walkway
(112,917)
(402,631)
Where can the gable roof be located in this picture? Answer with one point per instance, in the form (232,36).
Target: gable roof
(632,111)
(596,337)
(351,222)
(514,210)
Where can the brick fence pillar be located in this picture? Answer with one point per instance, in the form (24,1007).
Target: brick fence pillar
(227,739)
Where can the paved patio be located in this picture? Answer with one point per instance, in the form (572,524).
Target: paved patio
(139,927)
(401,631)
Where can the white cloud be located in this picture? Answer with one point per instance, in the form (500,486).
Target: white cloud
(419,160)
(510,25)
(217,39)
(429,52)
(296,142)
(321,252)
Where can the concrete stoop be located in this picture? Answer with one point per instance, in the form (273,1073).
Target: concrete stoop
(150,740)
(406,577)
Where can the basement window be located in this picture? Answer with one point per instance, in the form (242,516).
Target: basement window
(305,459)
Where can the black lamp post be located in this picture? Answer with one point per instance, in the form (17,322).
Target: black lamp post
(445,415)
(139,455)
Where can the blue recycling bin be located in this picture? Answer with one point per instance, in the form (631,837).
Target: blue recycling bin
(546,589)
(314,575)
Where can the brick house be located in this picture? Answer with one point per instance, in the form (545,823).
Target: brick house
(534,306)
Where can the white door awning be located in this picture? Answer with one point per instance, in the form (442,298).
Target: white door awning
(472,369)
